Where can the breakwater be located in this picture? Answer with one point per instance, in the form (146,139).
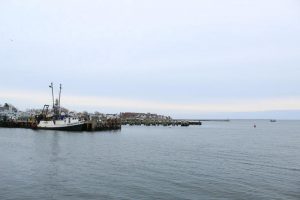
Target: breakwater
(101,125)
(152,122)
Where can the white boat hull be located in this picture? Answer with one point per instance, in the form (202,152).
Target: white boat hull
(68,124)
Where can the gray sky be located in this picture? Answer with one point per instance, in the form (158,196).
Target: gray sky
(213,58)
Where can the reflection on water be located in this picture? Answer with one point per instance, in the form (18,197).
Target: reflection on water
(224,160)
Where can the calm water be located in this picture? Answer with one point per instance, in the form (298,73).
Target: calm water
(219,160)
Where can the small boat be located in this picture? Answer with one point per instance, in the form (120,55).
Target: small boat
(272,120)
(57,121)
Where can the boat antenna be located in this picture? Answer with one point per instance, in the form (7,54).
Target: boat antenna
(59,98)
(51,86)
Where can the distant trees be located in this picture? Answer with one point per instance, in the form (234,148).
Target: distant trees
(8,106)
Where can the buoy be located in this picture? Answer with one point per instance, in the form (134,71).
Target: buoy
(254,126)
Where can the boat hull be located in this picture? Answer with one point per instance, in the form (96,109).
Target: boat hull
(78,127)
(69,127)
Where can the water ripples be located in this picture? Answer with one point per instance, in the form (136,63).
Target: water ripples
(215,161)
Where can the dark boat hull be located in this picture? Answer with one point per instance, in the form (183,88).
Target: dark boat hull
(77,127)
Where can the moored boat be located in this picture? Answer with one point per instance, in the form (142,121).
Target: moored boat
(67,124)
(56,120)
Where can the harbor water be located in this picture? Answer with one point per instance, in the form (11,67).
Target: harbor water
(218,160)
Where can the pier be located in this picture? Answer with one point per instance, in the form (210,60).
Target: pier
(18,124)
(109,124)
(91,125)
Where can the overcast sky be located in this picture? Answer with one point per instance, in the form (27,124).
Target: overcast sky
(211,58)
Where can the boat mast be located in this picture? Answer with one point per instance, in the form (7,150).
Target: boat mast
(59,98)
(51,86)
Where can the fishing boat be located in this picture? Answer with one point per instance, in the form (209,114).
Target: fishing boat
(272,120)
(56,120)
